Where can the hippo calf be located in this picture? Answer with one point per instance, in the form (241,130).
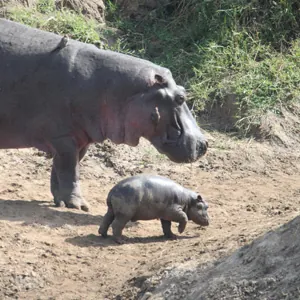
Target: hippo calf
(148,197)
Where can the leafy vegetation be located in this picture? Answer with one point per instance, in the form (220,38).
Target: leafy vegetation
(214,47)
(45,16)
(246,48)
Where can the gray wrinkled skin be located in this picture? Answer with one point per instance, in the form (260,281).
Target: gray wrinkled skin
(60,95)
(147,197)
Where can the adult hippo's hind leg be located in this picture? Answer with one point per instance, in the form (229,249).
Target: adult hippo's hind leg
(65,174)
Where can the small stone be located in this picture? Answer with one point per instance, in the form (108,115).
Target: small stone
(146,296)
(33,274)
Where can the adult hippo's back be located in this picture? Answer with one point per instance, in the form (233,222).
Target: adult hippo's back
(60,96)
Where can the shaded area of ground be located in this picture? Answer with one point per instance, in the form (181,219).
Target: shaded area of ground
(268,268)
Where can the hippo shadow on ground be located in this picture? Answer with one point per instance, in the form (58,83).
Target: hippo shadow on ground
(44,213)
(92,240)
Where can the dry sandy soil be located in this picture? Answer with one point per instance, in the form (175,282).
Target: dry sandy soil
(56,253)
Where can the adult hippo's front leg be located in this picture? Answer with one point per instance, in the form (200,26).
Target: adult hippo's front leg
(54,179)
(65,186)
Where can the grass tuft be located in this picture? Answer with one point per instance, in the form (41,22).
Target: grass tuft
(45,16)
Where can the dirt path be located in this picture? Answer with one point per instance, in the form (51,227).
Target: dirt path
(50,253)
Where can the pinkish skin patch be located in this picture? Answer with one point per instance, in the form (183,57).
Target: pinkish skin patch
(82,139)
(134,124)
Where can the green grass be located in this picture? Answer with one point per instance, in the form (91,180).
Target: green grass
(262,79)
(45,16)
(247,48)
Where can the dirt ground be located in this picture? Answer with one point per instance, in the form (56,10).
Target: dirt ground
(56,253)
(268,268)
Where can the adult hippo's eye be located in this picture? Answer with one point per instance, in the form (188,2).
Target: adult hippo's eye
(180,99)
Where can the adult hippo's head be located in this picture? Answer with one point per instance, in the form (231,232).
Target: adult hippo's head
(162,116)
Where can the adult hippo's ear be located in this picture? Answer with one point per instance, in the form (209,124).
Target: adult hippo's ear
(159,79)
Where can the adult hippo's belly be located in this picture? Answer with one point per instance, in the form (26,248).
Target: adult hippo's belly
(60,96)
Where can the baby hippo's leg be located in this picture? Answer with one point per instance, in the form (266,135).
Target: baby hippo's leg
(179,216)
(166,226)
(117,226)
(107,220)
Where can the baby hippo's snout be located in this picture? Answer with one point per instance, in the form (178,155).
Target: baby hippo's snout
(204,217)
(204,221)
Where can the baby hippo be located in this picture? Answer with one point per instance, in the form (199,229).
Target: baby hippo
(147,197)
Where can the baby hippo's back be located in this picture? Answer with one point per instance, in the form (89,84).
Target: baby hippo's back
(146,197)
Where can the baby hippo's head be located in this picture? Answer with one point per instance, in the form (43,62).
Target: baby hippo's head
(197,211)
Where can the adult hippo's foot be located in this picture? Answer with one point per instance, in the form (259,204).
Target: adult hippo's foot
(74,202)
(78,203)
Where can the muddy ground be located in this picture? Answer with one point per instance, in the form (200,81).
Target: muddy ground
(56,253)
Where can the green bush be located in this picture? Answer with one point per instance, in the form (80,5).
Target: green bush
(219,47)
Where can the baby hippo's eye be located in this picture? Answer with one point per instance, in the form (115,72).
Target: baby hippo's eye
(200,205)
(180,99)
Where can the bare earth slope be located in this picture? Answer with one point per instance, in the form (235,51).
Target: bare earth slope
(268,268)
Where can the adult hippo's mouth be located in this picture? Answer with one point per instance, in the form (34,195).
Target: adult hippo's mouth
(182,141)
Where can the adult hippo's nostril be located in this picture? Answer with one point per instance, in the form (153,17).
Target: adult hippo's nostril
(202,148)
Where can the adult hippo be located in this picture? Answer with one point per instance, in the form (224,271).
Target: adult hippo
(60,95)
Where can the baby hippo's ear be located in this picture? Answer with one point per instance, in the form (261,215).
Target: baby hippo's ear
(199,198)
(202,201)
